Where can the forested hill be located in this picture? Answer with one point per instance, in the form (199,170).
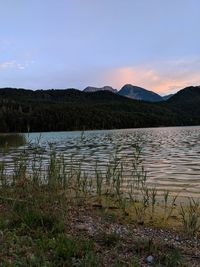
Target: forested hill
(58,110)
(187,100)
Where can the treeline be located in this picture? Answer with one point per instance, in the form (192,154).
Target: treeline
(59,110)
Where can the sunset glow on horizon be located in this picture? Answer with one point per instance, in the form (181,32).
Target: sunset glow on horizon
(152,79)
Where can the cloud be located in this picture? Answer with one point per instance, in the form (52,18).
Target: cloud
(162,77)
(12,64)
(7,64)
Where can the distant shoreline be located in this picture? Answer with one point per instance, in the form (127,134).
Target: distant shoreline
(100,130)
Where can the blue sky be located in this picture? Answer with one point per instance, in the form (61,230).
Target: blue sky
(75,43)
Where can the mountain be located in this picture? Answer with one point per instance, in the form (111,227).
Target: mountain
(24,110)
(186,101)
(139,93)
(90,89)
(187,95)
(61,110)
(166,97)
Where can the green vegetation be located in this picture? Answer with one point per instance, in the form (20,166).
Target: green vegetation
(190,216)
(11,140)
(59,110)
(56,216)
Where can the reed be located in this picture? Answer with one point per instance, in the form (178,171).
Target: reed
(190,216)
(170,208)
(99,181)
(153,195)
(56,176)
(3,174)
(44,187)
(166,198)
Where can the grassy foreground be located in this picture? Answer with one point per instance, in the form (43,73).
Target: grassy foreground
(63,217)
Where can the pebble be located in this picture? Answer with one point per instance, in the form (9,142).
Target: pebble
(87,228)
(177,238)
(150,259)
(82,227)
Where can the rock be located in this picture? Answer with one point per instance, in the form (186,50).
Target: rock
(177,238)
(85,227)
(82,227)
(150,259)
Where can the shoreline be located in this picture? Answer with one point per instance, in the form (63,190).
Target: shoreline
(56,230)
(102,130)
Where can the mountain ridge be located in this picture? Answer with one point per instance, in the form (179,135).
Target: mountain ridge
(24,110)
(131,91)
(91,89)
(139,93)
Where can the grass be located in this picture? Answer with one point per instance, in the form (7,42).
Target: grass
(164,256)
(34,234)
(41,204)
(43,232)
(109,239)
(190,216)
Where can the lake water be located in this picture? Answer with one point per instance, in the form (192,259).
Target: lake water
(171,155)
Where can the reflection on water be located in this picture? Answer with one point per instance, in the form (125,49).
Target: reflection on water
(171,155)
(12,140)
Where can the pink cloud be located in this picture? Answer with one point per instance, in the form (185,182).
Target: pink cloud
(160,81)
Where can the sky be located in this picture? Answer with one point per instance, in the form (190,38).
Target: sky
(47,44)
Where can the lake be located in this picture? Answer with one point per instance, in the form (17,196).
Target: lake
(171,155)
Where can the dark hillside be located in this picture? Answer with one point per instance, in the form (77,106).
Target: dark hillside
(59,110)
(186,100)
